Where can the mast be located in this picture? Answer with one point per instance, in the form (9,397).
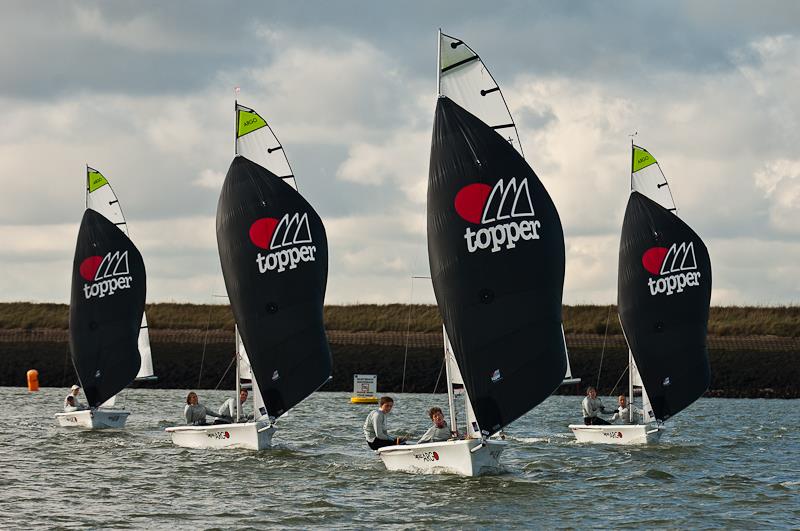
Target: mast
(439,63)
(238,377)
(630,388)
(451,403)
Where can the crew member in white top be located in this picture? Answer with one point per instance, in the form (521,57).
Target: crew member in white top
(592,407)
(439,431)
(73,395)
(375,426)
(623,414)
(227,410)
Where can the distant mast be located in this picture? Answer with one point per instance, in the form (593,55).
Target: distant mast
(101,198)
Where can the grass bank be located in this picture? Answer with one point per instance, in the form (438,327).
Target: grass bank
(781,321)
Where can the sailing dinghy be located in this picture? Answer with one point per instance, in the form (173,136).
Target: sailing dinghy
(94,348)
(496,252)
(274,255)
(663,298)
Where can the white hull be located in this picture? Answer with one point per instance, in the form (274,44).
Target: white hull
(617,433)
(93,419)
(248,435)
(470,457)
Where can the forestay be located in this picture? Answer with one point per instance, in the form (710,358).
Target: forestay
(106,308)
(101,198)
(465,80)
(496,251)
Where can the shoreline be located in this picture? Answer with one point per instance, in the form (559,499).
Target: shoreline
(741,367)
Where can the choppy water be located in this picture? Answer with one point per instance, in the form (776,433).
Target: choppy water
(722,463)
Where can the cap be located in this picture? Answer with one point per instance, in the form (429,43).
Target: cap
(74,387)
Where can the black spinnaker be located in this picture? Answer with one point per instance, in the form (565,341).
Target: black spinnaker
(106,307)
(496,251)
(274,255)
(664,292)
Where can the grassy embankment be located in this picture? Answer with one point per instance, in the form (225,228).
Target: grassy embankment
(744,370)
(783,321)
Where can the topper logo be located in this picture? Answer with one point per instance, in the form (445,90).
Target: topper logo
(106,274)
(285,237)
(678,263)
(481,204)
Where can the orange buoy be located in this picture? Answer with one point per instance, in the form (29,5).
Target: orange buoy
(33,380)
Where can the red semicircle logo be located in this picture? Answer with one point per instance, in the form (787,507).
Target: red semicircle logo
(261,232)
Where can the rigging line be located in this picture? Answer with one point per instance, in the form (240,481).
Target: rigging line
(438,377)
(618,380)
(205,343)
(603,351)
(224,374)
(408,335)
(66,362)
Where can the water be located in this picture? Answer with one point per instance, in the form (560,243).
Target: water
(722,463)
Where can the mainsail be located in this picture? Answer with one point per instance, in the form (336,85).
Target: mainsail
(648,179)
(101,198)
(106,308)
(256,141)
(465,80)
(664,293)
(496,251)
(274,255)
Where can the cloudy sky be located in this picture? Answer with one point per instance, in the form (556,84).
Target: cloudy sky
(143,91)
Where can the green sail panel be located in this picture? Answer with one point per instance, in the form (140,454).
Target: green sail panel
(248,121)
(94,180)
(641,159)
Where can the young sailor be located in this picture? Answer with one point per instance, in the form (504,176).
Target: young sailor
(439,431)
(591,407)
(227,411)
(71,400)
(375,425)
(623,414)
(195,412)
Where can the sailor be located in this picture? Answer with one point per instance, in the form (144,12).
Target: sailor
(227,411)
(195,412)
(623,414)
(375,425)
(439,431)
(74,404)
(591,407)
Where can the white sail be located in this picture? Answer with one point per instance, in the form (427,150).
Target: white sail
(455,386)
(568,379)
(101,198)
(648,179)
(636,381)
(465,79)
(256,141)
(243,366)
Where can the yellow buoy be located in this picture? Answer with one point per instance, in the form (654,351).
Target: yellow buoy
(33,380)
(364,400)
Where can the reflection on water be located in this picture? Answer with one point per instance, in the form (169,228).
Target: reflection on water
(722,463)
